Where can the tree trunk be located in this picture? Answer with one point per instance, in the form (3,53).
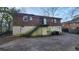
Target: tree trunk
(9,26)
(1,26)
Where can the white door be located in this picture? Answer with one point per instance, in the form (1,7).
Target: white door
(45,21)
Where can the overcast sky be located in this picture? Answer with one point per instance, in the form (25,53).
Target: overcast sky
(62,12)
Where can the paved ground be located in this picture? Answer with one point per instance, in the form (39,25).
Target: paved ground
(65,42)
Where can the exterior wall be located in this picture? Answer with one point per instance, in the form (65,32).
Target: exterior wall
(20,26)
(21,30)
(18,21)
(57,28)
(71,25)
(17,30)
(36,20)
(74,25)
(65,26)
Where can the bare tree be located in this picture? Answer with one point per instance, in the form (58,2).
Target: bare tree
(49,10)
(45,11)
(73,11)
(53,10)
(23,9)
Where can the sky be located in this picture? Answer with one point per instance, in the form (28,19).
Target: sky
(62,12)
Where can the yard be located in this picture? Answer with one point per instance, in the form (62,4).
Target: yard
(65,42)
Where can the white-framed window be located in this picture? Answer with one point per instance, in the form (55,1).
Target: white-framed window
(25,18)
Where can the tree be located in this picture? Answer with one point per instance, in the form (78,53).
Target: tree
(53,10)
(49,11)
(45,11)
(7,14)
(73,11)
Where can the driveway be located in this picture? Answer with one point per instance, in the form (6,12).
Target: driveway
(65,42)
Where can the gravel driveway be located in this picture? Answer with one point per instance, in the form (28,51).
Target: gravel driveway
(65,42)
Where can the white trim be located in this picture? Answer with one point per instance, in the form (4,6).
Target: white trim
(25,17)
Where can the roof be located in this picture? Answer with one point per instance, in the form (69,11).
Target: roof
(38,15)
(74,20)
(76,16)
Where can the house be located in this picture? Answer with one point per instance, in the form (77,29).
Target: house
(72,25)
(35,25)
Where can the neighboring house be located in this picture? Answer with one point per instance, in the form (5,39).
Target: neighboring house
(72,25)
(35,24)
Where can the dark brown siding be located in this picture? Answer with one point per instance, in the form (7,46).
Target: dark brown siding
(18,21)
(52,23)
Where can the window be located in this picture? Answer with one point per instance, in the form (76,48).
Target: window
(43,21)
(25,18)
